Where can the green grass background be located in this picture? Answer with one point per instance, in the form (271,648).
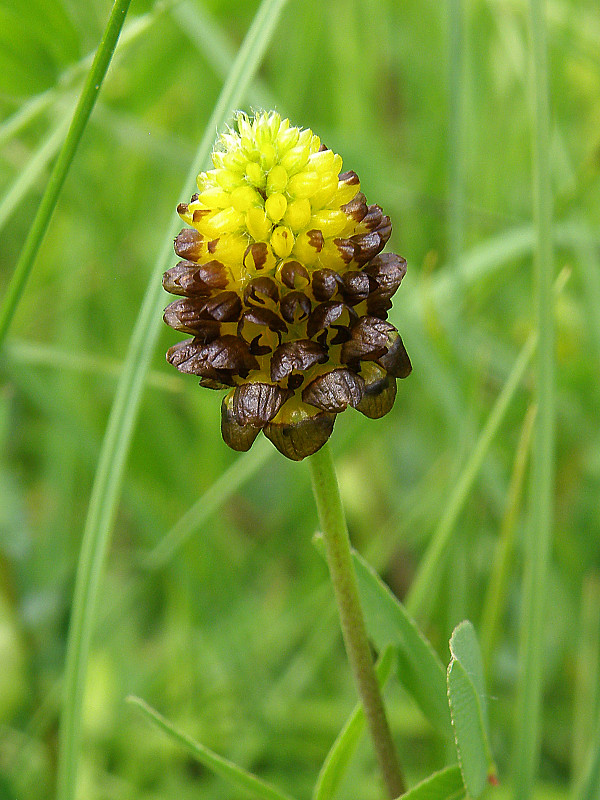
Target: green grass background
(232,633)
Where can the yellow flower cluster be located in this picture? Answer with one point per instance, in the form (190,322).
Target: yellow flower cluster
(284,289)
(273,185)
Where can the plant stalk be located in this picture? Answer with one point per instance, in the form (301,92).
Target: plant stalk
(339,560)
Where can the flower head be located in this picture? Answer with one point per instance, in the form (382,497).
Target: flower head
(284,289)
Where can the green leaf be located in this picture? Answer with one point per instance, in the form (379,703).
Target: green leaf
(420,670)
(225,769)
(447,784)
(466,696)
(464,647)
(338,758)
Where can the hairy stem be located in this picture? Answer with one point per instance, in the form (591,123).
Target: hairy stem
(339,559)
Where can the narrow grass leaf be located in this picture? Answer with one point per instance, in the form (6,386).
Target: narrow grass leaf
(456,130)
(115,447)
(419,669)
(81,116)
(497,593)
(26,112)
(541,499)
(338,759)
(485,259)
(447,784)
(423,589)
(230,772)
(466,697)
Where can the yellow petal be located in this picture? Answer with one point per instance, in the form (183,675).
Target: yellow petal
(258,224)
(276,206)
(282,241)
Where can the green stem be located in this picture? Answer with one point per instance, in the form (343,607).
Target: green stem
(339,559)
(63,162)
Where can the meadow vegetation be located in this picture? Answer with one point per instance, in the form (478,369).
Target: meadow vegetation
(213,603)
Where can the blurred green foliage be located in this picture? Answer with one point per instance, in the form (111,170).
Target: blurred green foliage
(234,638)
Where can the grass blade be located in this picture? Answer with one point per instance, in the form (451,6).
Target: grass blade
(422,590)
(61,167)
(124,412)
(495,599)
(589,269)
(529,695)
(207,37)
(220,766)
(485,259)
(24,114)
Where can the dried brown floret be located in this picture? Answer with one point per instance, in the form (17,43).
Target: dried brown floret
(257,403)
(297,356)
(302,434)
(335,390)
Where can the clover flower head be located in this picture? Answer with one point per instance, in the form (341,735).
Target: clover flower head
(284,289)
